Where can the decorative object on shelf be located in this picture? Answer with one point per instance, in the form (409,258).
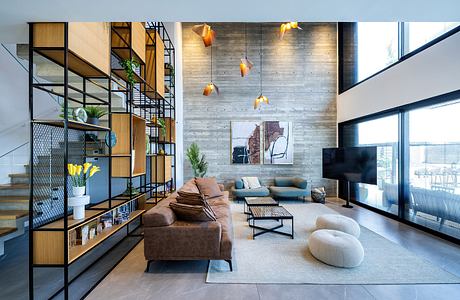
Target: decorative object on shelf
(161,152)
(84,234)
(80,114)
(245,64)
(278,143)
(261,99)
(288,26)
(147,144)
(94,113)
(198,162)
(130,66)
(110,139)
(245,142)
(318,195)
(169,69)
(79,175)
(161,123)
(210,86)
(207,34)
(130,190)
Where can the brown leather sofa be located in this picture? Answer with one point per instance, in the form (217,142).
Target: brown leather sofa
(166,238)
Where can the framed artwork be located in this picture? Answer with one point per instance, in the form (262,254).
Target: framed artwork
(278,143)
(245,142)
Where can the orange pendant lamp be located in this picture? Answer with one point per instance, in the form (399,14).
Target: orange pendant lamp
(210,87)
(261,99)
(288,26)
(207,34)
(245,64)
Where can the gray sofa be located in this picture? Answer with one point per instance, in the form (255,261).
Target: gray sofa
(289,187)
(239,192)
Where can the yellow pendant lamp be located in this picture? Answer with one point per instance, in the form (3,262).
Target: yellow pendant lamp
(261,99)
(210,87)
(288,26)
(207,34)
(245,64)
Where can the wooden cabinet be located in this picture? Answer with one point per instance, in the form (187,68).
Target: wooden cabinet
(126,36)
(122,156)
(154,65)
(88,42)
(161,166)
(170,136)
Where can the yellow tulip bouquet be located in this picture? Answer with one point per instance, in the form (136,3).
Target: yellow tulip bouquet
(81,173)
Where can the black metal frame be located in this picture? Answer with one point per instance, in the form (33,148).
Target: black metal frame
(264,230)
(403,158)
(401,55)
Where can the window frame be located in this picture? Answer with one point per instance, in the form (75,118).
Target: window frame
(403,159)
(401,56)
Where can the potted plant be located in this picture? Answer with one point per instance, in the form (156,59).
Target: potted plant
(130,66)
(94,113)
(198,162)
(162,125)
(79,175)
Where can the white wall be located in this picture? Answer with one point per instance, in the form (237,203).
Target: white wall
(175,33)
(432,72)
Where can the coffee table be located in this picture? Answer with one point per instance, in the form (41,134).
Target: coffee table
(259,201)
(276,213)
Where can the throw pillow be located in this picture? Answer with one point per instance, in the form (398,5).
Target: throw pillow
(195,213)
(208,187)
(245,182)
(191,200)
(253,182)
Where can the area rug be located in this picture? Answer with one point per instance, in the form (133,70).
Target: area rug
(277,259)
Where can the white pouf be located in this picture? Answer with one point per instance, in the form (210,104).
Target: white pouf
(336,248)
(338,222)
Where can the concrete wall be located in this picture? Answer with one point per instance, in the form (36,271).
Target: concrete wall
(299,78)
(432,72)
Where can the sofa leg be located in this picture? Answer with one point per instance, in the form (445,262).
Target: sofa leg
(230,264)
(148,266)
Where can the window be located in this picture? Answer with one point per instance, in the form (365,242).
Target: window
(417,34)
(434,168)
(377,47)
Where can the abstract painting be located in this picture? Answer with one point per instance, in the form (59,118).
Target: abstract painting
(278,143)
(245,145)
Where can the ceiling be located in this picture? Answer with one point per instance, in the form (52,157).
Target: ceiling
(13,18)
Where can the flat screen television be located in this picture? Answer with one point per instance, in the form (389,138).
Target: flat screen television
(352,164)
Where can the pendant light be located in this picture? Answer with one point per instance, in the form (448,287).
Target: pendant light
(245,64)
(288,26)
(261,99)
(210,86)
(207,34)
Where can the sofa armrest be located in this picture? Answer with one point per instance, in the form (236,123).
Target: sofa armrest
(159,216)
(300,183)
(183,240)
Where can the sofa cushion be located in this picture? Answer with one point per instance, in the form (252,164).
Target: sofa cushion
(284,181)
(239,184)
(208,186)
(287,192)
(189,187)
(300,183)
(162,216)
(197,213)
(251,182)
(260,192)
(191,200)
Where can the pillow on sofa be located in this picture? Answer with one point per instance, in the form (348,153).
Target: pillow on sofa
(239,184)
(197,213)
(208,187)
(191,200)
(252,182)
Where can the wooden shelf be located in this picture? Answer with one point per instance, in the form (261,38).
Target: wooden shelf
(105,204)
(154,65)
(77,251)
(72,125)
(161,170)
(90,214)
(127,36)
(122,74)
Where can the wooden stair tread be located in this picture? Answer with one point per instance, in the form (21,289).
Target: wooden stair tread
(18,186)
(12,214)
(7,230)
(14,199)
(19,175)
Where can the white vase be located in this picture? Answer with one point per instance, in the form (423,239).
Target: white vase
(78,191)
(78,204)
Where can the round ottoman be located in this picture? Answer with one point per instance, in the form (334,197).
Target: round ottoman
(336,248)
(338,222)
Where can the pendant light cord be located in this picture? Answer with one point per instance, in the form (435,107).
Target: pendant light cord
(260,53)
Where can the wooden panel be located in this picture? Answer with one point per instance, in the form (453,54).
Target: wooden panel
(137,39)
(120,125)
(89,215)
(91,42)
(48,247)
(161,168)
(170,131)
(139,144)
(120,166)
(155,64)
(160,62)
(48,35)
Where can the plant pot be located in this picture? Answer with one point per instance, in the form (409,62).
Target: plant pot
(78,191)
(78,204)
(92,120)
